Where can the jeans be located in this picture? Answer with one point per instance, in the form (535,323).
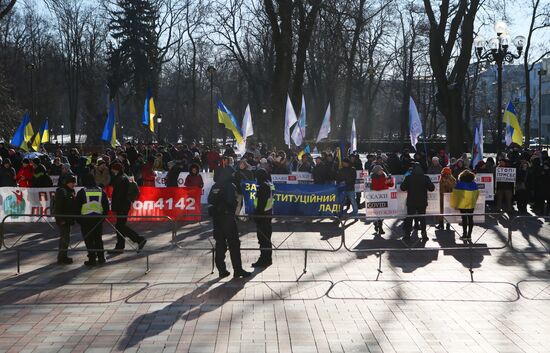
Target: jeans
(350,195)
(467,223)
(123,232)
(264,231)
(409,220)
(226,235)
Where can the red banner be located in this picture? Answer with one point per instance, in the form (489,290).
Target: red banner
(174,202)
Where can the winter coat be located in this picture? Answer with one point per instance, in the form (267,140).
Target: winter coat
(380,182)
(24,176)
(102,178)
(65,204)
(320,173)
(40,179)
(347,175)
(194,181)
(417,186)
(446,184)
(7,176)
(148,176)
(119,199)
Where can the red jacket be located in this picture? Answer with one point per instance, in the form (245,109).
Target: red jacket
(213,158)
(148,175)
(24,176)
(380,182)
(194,181)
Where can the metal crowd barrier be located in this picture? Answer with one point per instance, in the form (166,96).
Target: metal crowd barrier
(412,245)
(275,247)
(514,226)
(18,250)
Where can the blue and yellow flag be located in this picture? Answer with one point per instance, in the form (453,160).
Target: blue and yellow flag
(226,118)
(149,111)
(513,130)
(109,132)
(23,134)
(42,136)
(464,196)
(306,149)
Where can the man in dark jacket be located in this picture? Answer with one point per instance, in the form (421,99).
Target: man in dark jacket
(264,206)
(40,178)
(92,201)
(7,173)
(347,176)
(120,204)
(417,186)
(320,172)
(65,205)
(223,198)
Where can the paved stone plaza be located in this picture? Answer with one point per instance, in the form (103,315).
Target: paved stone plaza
(421,301)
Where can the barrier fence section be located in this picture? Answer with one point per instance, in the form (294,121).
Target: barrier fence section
(411,245)
(515,224)
(106,219)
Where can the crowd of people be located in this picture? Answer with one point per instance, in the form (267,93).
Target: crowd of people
(131,164)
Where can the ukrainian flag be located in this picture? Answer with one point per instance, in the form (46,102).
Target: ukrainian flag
(226,118)
(149,111)
(513,130)
(464,196)
(306,149)
(42,136)
(23,134)
(109,132)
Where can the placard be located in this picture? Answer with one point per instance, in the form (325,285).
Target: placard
(505,175)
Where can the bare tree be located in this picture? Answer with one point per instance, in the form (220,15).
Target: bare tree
(5,7)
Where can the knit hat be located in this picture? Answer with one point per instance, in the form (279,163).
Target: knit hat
(446,171)
(69,179)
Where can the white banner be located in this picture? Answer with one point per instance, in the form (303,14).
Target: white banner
(505,175)
(390,202)
(208,179)
(486,185)
(25,201)
(294,178)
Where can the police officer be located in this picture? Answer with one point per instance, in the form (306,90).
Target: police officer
(64,204)
(264,205)
(223,201)
(92,201)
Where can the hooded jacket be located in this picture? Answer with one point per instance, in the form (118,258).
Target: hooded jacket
(417,186)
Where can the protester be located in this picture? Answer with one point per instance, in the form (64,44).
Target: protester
(64,206)
(40,178)
(55,168)
(242,173)
(223,203)
(263,210)
(65,172)
(120,204)
(435,167)
(7,173)
(92,201)
(194,179)
(417,186)
(504,192)
(172,177)
(379,181)
(101,174)
(522,194)
(148,174)
(346,177)
(25,174)
(447,183)
(464,198)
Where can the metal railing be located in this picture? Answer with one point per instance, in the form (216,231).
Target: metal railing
(106,220)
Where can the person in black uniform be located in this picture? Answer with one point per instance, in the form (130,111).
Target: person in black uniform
(417,186)
(65,205)
(120,204)
(223,200)
(91,200)
(264,206)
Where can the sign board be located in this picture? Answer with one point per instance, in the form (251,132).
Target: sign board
(505,175)
(486,185)
(207,178)
(391,202)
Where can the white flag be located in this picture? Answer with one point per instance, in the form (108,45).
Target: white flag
(290,119)
(415,126)
(247,130)
(325,127)
(299,132)
(353,138)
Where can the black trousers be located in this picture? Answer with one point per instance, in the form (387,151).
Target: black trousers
(263,233)
(409,220)
(467,223)
(64,239)
(123,232)
(226,235)
(92,231)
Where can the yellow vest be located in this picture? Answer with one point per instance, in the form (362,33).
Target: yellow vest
(93,207)
(269,203)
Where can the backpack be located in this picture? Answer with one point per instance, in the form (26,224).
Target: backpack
(215,199)
(133,191)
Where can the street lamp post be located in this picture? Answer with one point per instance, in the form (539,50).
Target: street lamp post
(62,127)
(541,73)
(159,122)
(211,71)
(498,53)
(31,67)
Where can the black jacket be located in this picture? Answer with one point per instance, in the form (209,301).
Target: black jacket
(241,175)
(64,204)
(40,179)
(417,186)
(119,200)
(347,175)
(7,176)
(320,173)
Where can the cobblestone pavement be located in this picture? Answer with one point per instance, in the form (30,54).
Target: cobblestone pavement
(480,300)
